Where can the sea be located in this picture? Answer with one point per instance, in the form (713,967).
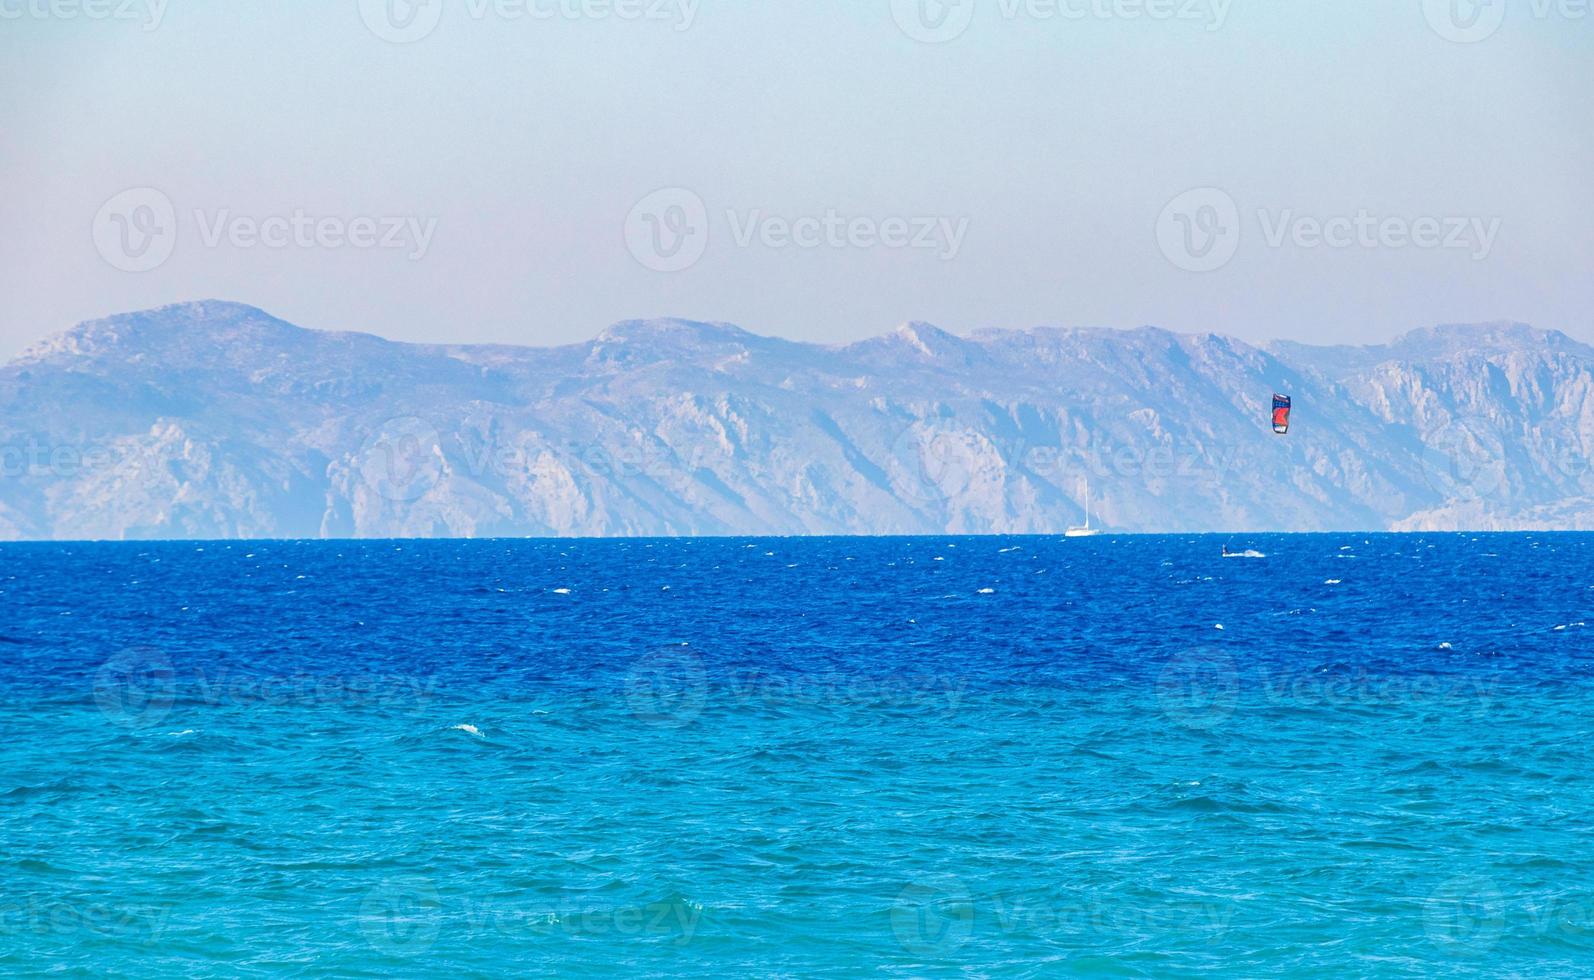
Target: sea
(1327,755)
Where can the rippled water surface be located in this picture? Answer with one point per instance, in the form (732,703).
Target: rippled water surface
(1350,755)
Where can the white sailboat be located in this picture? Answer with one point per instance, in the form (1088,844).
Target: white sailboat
(1087,531)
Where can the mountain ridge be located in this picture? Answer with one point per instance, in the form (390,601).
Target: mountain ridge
(216,419)
(210,314)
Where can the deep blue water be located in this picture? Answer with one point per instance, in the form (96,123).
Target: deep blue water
(1357,755)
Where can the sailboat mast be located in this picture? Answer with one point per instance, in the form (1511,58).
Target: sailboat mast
(1086,531)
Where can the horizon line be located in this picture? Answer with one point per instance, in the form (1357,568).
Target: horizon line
(902,536)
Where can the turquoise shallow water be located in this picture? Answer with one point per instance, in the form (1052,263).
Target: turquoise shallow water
(1022,757)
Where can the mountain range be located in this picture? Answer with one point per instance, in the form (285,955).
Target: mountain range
(217,420)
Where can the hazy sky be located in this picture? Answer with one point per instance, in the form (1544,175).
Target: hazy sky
(529,171)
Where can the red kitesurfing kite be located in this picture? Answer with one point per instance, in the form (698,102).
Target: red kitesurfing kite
(1281,414)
